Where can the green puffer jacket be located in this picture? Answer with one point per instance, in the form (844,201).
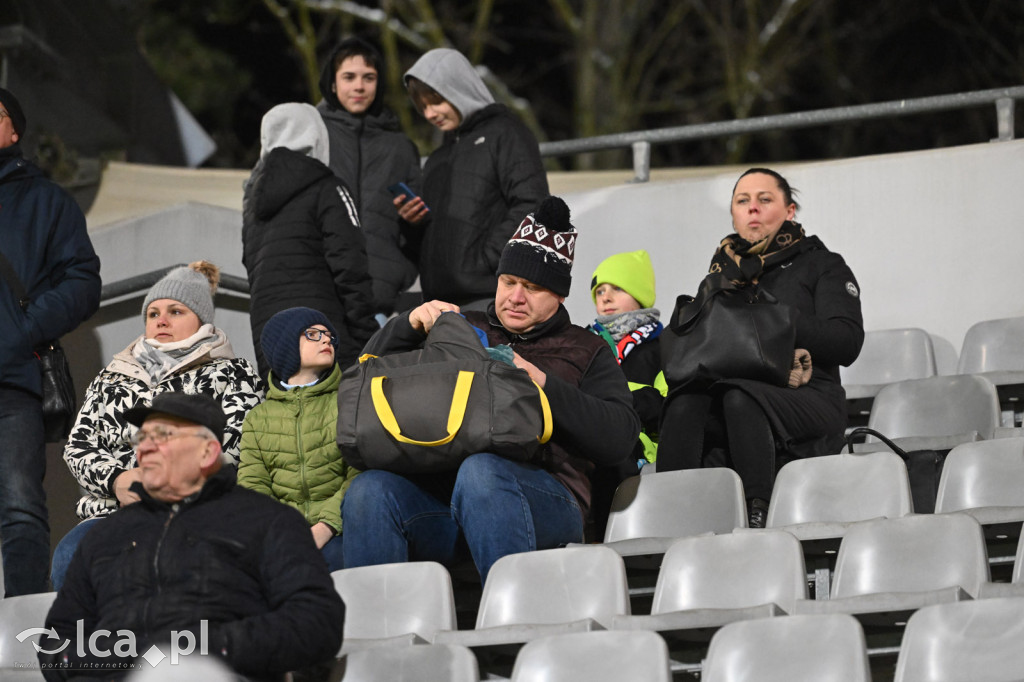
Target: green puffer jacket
(289,450)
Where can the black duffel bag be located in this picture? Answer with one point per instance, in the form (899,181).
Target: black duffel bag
(426,410)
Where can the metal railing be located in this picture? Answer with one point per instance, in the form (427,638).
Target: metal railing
(1004,100)
(139,283)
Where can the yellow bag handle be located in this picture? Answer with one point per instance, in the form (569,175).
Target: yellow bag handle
(545,408)
(460,398)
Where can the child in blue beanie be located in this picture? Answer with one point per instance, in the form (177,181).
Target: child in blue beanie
(289,449)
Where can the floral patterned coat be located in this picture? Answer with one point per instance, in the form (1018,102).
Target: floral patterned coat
(99,447)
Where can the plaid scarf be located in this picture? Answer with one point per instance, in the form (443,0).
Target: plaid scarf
(743,262)
(626,331)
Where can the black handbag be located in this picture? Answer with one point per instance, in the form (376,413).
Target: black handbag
(924,468)
(728,332)
(426,410)
(59,406)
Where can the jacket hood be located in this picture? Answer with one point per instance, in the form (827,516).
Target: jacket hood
(278,178)
(296,126)
(327,76)
(449,73)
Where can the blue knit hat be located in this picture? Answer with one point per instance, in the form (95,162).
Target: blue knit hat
(279,339)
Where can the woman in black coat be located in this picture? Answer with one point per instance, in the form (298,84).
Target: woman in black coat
(746,424)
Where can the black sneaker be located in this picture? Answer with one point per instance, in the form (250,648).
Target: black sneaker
(757,513)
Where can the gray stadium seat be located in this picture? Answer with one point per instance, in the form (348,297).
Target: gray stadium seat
(995,349)
(986,480)
(888,568)
(973,640)
(712,580)
(408,664)
(817,498)
(594,657)
(18,614)
(789,649)
(648,512)
(888,356)
(935,413)
(183,669)
(395,603)
(545,592)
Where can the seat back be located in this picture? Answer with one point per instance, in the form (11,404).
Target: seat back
(890,355)
(183,669)
(988,473)
(937,406)
(450,662)
(18,614)
(840,489)
(822,648)
(993,345)
(967,640)
(555,586)
(915,553)
(674,504)
(738,570)
(601,656)
(396,599)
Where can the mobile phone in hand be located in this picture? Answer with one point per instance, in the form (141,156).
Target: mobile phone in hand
(400,188)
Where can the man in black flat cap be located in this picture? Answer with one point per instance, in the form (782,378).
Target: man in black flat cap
(49,284)
(196,561)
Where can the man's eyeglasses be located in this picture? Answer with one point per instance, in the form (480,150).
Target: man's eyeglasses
(160,435)
(3,115)
(314,334)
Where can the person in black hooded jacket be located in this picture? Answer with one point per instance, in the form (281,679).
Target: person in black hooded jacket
(301,238)
(369,152)
(486,175)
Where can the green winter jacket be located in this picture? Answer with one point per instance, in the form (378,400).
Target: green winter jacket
(289,450)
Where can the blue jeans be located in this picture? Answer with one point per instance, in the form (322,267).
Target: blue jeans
(66,550)
(497,507)
(24,523)
(334,554)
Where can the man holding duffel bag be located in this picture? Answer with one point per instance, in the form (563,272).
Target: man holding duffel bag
(492,504)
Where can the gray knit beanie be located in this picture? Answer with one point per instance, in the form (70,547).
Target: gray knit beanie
(192,285)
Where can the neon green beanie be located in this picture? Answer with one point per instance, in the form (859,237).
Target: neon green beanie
(632,272)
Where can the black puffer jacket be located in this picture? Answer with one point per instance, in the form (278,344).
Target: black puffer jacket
(479,184)
(302,245)
(237,559)
(370,152)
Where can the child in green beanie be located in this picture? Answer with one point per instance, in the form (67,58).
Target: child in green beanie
(623,292)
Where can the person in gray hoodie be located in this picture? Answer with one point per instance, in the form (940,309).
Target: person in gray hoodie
(486,175)
(370,152)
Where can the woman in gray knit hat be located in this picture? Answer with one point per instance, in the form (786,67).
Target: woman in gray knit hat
(180,350)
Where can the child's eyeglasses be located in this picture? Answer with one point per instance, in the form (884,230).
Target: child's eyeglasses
(317,334)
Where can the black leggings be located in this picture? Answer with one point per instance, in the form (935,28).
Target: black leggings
(694,426)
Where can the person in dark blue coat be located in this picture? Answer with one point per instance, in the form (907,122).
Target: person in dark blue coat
(43,237)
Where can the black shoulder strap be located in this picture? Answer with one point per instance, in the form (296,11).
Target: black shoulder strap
(7,270)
